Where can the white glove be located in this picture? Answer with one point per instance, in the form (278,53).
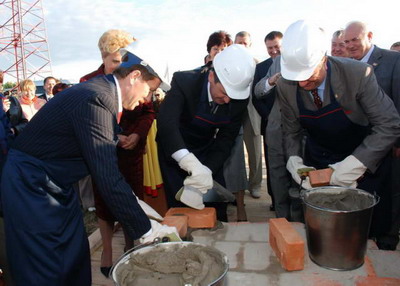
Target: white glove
(347,172)
(200,176)
(159,230)
(191,197)
(295,165)
(149,211)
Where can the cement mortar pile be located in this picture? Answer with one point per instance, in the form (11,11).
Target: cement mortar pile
(190,264)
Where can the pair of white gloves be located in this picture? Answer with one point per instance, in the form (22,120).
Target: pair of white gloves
(196,184)
(345,173)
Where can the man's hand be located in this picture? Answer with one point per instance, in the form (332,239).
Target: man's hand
(296,168)
(273,79)
(160,231)
(190,197)
(347,172)
(200,176)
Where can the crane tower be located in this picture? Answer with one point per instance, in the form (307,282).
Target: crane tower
(24,51)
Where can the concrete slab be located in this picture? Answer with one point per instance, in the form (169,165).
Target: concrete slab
(252,261)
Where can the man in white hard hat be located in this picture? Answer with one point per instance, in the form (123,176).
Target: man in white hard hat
(45,236)
(197,125)
(351,123)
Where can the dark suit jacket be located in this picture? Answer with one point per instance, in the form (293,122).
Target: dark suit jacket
(386,66)
(180,106)
(43,96)
(264,105)
(80,124)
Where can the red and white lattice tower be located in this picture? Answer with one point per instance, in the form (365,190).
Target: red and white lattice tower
(24,51)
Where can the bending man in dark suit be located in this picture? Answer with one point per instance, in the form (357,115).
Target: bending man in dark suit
(386,64)
(73,135)
(198,122)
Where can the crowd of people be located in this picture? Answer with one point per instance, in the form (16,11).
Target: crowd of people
(95,145)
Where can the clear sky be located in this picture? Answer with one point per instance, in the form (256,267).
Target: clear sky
(178,29)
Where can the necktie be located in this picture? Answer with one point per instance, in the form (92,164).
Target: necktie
(214,107)
(317,99)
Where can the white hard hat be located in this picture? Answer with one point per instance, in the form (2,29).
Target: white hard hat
(137,53)
(235,69)
(304,45)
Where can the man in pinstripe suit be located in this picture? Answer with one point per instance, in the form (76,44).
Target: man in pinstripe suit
(73,135)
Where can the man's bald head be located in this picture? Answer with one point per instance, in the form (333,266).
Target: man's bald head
(358,39)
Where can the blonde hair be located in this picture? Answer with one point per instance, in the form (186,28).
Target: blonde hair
(26,85)
(113,40)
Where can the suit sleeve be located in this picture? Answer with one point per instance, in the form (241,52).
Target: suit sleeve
(383,118)
(396,90)
(292,130)
(94,126)
(168,119)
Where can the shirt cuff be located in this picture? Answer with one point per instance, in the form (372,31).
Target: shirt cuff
(267,86)
(178,155)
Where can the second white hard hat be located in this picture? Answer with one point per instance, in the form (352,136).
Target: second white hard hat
(304,45)
(235,68)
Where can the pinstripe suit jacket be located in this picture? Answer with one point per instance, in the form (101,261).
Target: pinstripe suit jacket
(80,125)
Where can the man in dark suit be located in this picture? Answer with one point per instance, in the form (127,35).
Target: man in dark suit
(48,84)
(45,237)
(264,105)
(386,64)
(198,122)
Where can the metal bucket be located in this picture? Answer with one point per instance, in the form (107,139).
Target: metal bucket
(167,246)
(337,233)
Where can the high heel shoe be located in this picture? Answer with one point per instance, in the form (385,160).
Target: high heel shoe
(105,271)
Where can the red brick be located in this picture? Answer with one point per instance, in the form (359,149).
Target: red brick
(287,244)
(180,222)
(320,178)
(205,218)
(377,281)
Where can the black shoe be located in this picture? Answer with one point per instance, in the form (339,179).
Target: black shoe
(387,242)
(105,271)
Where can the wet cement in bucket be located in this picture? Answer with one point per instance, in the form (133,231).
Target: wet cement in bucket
(343,200)
(192,264)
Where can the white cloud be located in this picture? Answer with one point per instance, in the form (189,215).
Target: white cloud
(180,29)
